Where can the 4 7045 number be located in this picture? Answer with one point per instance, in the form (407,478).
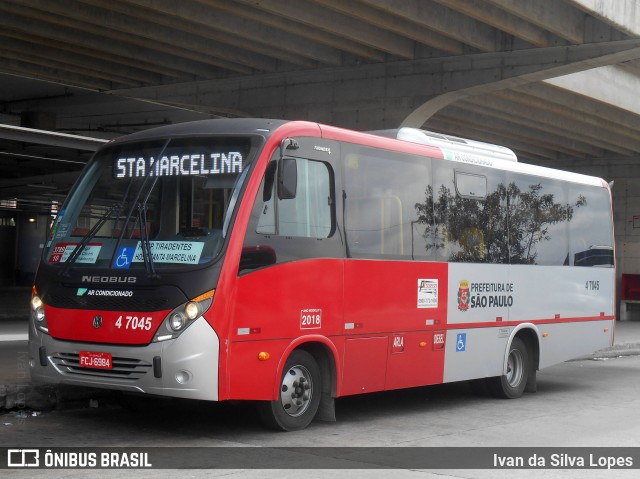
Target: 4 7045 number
(134,322)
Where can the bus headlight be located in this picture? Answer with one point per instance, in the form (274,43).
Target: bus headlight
(192,310)
(177,320)
(37,307)
(181,317)
(38,313)
(36,302)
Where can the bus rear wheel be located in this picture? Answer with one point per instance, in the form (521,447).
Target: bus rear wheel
(511,385)
(299,395)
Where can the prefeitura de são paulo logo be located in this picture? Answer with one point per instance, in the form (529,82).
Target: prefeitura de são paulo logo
(463,295)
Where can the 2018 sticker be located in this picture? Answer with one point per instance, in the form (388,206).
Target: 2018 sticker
(311,319)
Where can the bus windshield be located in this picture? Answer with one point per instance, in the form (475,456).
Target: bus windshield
(157,205)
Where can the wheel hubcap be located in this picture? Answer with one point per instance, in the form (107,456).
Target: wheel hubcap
(296,391)
(515,368)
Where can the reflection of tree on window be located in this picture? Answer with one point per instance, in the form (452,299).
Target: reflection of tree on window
(468,230)
(531,213)
(471,230)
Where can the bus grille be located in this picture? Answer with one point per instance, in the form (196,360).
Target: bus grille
(108,303)
(126,369)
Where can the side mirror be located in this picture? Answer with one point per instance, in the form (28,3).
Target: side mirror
(287,178)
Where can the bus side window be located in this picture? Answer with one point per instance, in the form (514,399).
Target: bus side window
(470,215)
(539,218)
(388,204)
(287,229)
(589,246)
(308,214)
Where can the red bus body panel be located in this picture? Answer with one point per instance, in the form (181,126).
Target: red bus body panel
(269,302)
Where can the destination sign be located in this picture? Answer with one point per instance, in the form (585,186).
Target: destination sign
(185,252)
(205,164)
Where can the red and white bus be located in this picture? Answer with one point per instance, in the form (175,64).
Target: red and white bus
(292,263)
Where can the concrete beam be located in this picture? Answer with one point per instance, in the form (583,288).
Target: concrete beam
(388,92)
(611,84)
(275,21)
(502,20)
(49,59)
(589,116)
(316,17)
(442,20)
(12,19)
(560,18)
(522,67)
(51,138)
(621,14)
(572,131)
(234,31)
(57,52)
(110,25)
(582,105)
(503,121)
(28,69)
(400,25)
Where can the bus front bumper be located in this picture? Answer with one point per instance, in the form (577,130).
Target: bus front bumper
(185,367)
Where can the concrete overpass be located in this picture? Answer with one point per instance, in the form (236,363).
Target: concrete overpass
(555,80)
(499,70)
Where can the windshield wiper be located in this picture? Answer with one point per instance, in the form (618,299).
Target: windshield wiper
(90,235)
(145,243)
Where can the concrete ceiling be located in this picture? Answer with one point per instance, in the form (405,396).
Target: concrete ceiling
(551,79)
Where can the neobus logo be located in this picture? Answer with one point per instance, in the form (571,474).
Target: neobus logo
(109,279)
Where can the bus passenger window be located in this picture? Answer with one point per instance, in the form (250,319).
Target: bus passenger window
(470,215)
(386,214)
(589,246)
(539,218)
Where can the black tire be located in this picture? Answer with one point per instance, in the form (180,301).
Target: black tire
(512,384)
(299,396)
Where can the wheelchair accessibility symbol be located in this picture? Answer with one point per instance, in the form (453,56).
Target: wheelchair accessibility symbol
(461,342)
(124,257)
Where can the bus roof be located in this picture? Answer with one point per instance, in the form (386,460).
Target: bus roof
(425,142)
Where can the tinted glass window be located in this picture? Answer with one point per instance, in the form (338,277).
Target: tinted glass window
(470,214)
(590,232)
(539,217)
(387,209)
(307,215)
(282,230)
(172,197)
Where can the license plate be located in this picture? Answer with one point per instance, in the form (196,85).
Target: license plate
(95,360)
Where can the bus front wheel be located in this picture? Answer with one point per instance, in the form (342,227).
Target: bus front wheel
(511,385)
(298,397)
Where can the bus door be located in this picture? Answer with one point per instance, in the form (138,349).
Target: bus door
(290,278)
